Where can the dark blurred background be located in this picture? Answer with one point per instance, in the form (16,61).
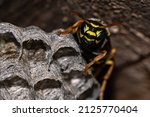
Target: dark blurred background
(131,77)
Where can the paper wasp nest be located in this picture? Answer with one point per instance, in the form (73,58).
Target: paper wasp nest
(39,65)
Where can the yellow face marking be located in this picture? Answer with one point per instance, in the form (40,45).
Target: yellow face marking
(97,41)
(91,33)
(94,25)
(86,28)
(81,35)
(98,32)
(88,38)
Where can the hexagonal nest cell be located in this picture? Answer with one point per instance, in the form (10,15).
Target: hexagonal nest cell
(39,65)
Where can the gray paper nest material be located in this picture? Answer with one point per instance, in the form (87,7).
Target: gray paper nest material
(39,65)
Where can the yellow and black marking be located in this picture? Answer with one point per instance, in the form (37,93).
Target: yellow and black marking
(93,39)
(92,32)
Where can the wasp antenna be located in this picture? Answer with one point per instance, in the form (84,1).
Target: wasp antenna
(114,24)
(78,14)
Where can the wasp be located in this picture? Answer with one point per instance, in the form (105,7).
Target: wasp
(93,37)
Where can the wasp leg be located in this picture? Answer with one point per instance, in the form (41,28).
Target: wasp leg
(105,79)
(107,75)
(96,59)
(72,28)
(112,53)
